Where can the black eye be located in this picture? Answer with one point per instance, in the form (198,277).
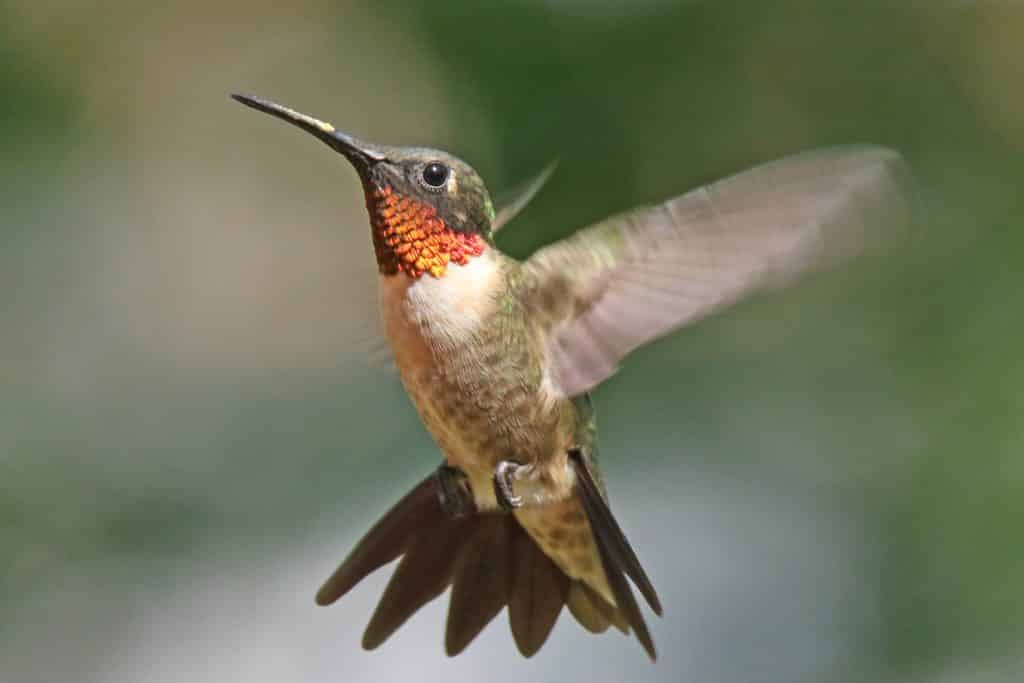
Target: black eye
(435,174)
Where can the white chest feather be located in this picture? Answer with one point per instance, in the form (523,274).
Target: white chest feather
(439,313)
(428,322)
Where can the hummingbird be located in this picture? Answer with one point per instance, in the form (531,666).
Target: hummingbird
(499,357)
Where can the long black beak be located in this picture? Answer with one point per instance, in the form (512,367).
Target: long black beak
(361,154)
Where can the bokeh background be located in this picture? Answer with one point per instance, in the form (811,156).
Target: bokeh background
(825,484)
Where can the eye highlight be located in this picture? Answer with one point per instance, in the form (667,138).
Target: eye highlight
(435,175)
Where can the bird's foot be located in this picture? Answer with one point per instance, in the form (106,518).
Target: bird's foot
(455,495)
(505,475)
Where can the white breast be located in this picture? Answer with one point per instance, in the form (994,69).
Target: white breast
(427,322)
(441,312)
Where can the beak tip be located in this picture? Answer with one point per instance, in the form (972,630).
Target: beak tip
(247,100)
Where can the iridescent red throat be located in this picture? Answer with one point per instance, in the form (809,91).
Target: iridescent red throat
(410,237)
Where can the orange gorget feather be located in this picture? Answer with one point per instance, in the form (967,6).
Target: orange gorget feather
(410,237)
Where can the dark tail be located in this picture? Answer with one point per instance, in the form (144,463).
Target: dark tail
(617,556)
(488,560)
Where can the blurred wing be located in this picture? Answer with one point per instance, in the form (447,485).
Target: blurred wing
(516,199)
(617,285)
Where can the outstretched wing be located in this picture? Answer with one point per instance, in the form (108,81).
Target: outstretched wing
(619,284)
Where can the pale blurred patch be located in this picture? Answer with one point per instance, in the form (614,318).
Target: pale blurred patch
(209,239)
(987,36)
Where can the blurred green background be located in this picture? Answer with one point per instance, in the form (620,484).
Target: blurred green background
(826,484)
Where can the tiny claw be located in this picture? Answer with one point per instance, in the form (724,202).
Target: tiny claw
(504,486)
(454,493)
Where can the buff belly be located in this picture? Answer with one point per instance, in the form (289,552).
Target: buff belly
(472,391)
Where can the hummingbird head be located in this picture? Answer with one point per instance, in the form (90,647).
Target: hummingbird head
(427,208)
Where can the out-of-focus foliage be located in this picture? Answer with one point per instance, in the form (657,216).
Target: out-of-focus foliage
(827,484)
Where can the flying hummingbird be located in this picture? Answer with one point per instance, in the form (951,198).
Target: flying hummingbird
(499,355)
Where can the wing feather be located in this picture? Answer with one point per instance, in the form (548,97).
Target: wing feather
(515,200)
(637,276)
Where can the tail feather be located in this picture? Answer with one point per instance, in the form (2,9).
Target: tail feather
(538,592)
(490,561)
(383,543)
(617,556)
(613,614)
(480,586)
(423,574)
(583,605)
(608,531)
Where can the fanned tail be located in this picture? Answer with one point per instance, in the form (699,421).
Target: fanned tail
(489,561)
